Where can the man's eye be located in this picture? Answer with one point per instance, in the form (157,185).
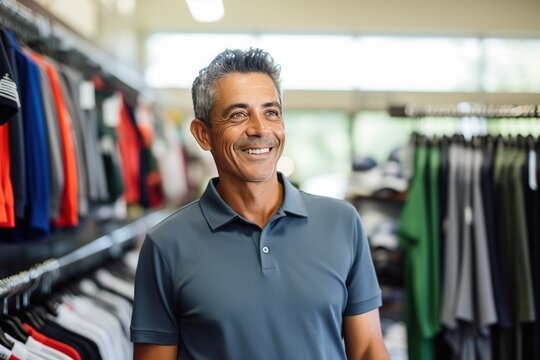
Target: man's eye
(272,113)
(238,115)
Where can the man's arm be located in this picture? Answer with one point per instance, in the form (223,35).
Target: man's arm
(151,352)
(363,337)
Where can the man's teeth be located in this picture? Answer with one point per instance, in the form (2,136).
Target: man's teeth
(258,151)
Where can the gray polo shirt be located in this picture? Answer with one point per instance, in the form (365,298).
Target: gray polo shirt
(219,287)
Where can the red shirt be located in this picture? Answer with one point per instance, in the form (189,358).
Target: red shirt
(7,201)
(130,153)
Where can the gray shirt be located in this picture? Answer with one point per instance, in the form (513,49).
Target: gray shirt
(220,287)
(56,165)
(452,248)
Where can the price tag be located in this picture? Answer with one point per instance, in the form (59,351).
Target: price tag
(87,95)
(111,111)
(533,181)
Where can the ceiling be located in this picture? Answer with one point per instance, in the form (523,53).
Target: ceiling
(469,17)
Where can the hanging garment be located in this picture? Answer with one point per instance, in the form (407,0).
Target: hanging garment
(69,206)
(6,354)
(504,339)
(486,314)
(414,238)
(44,349)
(531,331)
(37,214)
(16,134)
(33,350)
(451,251)
(523,291)
(123,287)
(87,133)
(7,202)
(108,143)
(9,106)
(171,163)
(56,167)
(522,281)
(84,346)
(78,143)
(434,159)
(491,208)
(51,346)
(129,145)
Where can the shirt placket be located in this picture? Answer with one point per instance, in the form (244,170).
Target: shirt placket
(263,239)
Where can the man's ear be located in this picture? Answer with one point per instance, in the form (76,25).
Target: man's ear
(201,133)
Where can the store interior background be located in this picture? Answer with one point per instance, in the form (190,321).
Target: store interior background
(418,52)
(328,127)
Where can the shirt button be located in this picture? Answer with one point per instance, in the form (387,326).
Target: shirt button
(265,249)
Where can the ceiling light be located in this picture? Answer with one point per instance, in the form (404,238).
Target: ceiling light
(206,10)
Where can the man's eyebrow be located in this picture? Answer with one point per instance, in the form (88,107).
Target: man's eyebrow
(272,104)
(229,108)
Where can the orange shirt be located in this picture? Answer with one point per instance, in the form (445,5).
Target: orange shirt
(68,215)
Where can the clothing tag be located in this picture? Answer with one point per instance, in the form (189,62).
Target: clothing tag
(533,184)
(107,145)
(142,113)
(111,112)
(159,148)
(468,215)
(87,95)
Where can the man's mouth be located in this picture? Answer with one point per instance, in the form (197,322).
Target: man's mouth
(258,151)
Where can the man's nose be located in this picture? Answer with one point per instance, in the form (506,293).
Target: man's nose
(257,125)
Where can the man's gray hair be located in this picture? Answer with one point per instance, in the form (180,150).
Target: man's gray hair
(230,61)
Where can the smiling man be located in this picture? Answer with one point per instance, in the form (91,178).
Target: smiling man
(254,269)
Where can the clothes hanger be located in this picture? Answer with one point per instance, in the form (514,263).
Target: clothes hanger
(6,324)
(24,314)
(4,341)
(12,325)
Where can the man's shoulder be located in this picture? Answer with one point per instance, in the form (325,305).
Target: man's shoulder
(187,214)
(327,204)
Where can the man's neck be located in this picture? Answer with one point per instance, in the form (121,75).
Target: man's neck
(256,202)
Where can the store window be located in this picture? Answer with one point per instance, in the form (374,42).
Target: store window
(313,62)
(173,64)
(511,65)
(343,62)
(371,63)
(416,64)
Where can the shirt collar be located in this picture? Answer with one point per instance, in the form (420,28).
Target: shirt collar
(11,38)
(217,213)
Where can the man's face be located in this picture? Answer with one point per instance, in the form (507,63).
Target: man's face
(247,134)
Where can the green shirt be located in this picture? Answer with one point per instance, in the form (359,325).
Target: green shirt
(416,238)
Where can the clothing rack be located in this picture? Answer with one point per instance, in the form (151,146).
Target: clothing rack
(41,26)
(462,110)
(88,256)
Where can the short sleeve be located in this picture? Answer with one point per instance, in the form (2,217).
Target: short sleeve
(363,289)
(154,319)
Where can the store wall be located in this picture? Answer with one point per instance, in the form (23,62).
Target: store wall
(81,15)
